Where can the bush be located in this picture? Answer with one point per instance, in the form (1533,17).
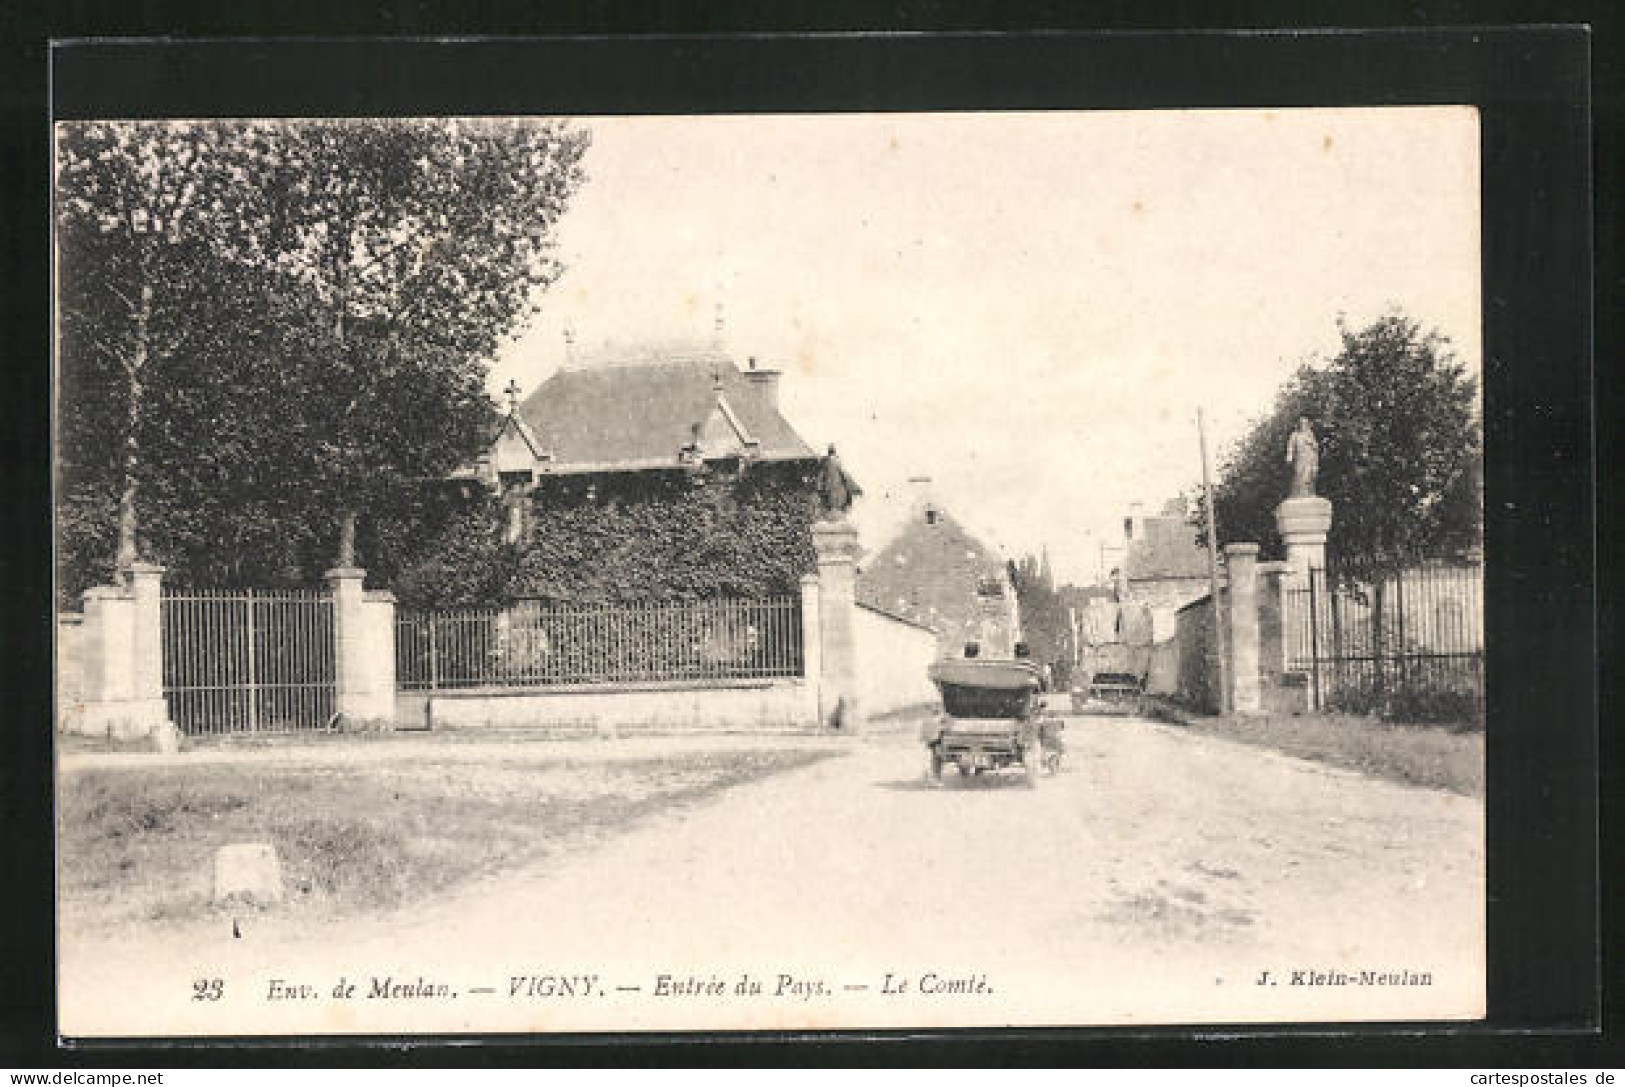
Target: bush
(1420,701)
(1435,704)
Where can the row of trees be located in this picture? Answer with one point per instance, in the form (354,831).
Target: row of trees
(1401,449)
(1046,621)
(269,331)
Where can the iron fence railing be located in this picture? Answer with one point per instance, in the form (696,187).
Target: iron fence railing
(248,660)
(536,644)
(1408,643)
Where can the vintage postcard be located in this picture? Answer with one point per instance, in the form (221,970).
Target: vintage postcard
(764,572)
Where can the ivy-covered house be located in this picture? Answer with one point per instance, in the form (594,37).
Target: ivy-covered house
(646,475)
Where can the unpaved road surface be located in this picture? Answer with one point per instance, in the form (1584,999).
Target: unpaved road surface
(1155,880)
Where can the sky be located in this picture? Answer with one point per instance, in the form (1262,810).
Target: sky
(1027,308)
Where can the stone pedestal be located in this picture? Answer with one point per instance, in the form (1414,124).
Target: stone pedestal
(836,545)
(1303,524)
(1241,563)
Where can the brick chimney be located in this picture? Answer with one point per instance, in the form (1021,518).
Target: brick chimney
(765,382)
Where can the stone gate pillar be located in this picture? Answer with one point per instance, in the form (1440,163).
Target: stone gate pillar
(123,659)
(146,589)
(836,545)
(1241,562)
(108,668)
(379,605)
(363,647)
(811,660)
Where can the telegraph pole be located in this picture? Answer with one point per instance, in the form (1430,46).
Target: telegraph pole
(1220,627)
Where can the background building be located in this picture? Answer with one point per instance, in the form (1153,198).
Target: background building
(935,573)
(1160,564)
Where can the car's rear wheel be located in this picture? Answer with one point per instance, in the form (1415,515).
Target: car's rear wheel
(936,764)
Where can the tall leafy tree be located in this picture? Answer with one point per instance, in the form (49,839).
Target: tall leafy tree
(261,323)
(139,208)
(422,242)
(1400,449)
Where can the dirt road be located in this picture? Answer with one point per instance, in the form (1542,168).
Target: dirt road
(1155,880)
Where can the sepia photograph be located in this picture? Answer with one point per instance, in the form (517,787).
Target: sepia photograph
(768,572)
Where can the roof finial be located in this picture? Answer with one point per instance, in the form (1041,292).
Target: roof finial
(569,343)
(512,392)
(717,327)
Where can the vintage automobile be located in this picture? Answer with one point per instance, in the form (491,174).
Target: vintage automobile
(1112,692)
(992,719)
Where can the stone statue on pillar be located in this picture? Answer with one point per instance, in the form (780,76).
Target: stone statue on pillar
(1305,518)
(835,547)
(836,489)
(1303,454)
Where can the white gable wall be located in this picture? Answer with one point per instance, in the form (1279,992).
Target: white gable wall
(892,658)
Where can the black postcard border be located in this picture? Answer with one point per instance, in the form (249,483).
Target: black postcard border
(1532,87)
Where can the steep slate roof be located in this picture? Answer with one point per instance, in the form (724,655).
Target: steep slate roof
(1164,547)
(925,567)
(641,413)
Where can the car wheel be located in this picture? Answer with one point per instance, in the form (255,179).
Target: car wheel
(936,765)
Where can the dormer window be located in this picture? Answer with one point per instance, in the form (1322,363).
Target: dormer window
(930,517)
(990,587)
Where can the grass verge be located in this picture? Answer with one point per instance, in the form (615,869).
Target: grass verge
(138,843)
(1432,756)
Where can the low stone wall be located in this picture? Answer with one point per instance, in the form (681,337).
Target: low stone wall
(721,706)
(1186,668)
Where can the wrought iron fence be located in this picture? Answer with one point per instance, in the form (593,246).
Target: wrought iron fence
(535,644)
(248,660)
(1408,645)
